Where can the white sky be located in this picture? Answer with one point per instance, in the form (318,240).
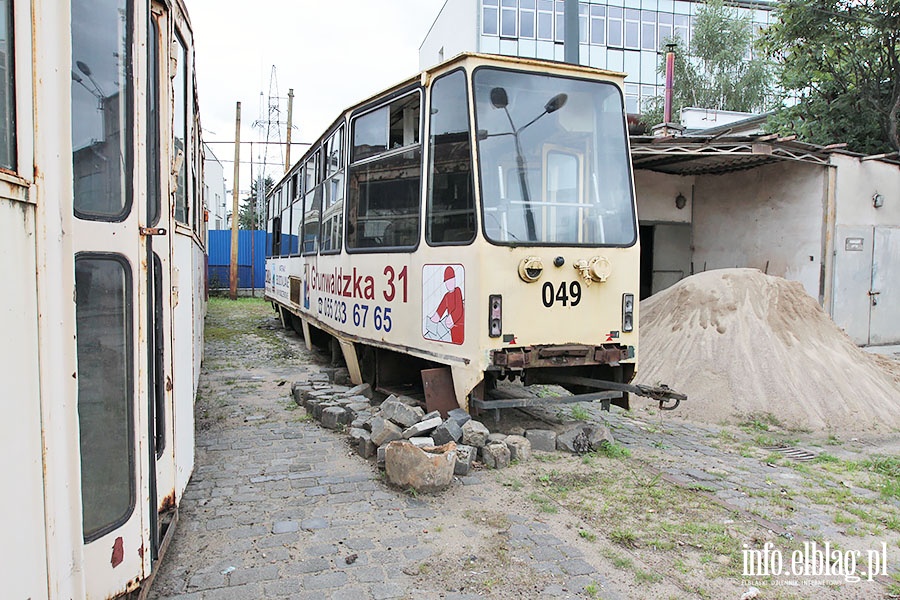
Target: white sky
(333,53)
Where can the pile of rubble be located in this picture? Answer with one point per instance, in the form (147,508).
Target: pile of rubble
(405,440)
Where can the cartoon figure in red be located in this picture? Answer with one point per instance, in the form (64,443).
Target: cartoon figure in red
(451,309)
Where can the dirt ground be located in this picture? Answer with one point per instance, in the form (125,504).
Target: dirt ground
(647,533)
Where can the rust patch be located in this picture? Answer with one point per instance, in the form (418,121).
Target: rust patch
(118,552)
(141,551)
(168,383)
(168,502)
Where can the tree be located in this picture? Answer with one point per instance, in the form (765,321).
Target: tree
(249,217)
(715,71)
(840,61)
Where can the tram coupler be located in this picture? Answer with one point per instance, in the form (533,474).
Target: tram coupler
(663,394)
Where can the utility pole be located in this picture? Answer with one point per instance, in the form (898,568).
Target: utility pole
(233,271)
(287,154)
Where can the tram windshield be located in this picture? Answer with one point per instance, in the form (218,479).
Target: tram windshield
(553,159)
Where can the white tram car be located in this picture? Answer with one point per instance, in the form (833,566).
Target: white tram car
(475,223)
(103,253)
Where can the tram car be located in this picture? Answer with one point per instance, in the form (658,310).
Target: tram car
(471,224)
(103,250)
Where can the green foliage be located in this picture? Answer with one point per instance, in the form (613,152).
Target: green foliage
(841,60)
(248,217)
(714,71)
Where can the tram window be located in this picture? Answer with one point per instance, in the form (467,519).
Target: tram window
(154,197)
(383,197)
(450,213)
(103,316)
(545,144)
(311,170)
(101,97)
(333,214)
(311,208)
(7,89)
(296,225)
(285,223)
(333,152)
(180,132)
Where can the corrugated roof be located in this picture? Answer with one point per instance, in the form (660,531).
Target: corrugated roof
(711,154)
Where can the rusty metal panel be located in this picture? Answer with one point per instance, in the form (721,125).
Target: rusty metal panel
(439,391)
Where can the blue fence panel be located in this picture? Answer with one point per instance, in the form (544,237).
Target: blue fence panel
(251,258)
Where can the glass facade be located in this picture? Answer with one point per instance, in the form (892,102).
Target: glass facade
(620,35)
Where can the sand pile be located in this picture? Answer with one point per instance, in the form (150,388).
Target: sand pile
(741,343)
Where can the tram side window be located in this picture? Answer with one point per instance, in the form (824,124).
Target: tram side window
(333,209)
(179,128)
(296,223)
(450,212)
(273,236)
(284,203)
(7,89)
(312,205)
(101,122)
(385,176)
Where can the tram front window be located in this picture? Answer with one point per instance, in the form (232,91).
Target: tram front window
(554,160)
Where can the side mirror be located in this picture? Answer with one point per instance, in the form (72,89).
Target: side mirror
(499,98)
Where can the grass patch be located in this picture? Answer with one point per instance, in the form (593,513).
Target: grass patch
(579,413)
(587,535)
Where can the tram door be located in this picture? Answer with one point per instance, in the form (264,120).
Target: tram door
(114,269)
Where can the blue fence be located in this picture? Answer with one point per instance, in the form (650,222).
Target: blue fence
(251,258)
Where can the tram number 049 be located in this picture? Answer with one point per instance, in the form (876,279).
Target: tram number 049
(567,294)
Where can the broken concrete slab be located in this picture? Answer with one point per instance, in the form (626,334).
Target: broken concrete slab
(425,471)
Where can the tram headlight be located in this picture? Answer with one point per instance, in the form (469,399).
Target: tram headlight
(627,312)
(495,310)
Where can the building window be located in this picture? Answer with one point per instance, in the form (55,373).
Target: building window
(598,25)
(489,16)
(648,30)
(560,20)
(545,20)
(7,89)
(615,22)
(682,28)
(632,93)
(526,19)
(582,23)
(508,18)
(632,29)
(665,28)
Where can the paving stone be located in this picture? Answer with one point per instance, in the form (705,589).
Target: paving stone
(422,427)
(448,431)
(495,455)
(285,527)
(475,434)
(465,456)
(543,440)
(519,448)
(384,431)
(334,417)
(459,415)
(400,413)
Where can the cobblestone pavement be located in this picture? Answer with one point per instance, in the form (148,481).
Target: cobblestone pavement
(279,507)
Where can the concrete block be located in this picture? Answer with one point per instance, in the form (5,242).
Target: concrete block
(334,417)
(366,447)
(421,427)
(363,389)
(474,434)
(519,448)
(465,456)
(449,431)
(383,431)
(543,440)
(400,413)
(431,415)
(459,415)
(495,455)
